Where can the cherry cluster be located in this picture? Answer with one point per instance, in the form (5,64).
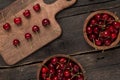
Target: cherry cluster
(61,68)
(102,29)
(18,21)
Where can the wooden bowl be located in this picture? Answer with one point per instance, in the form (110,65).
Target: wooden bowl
(58,56)
(103,47)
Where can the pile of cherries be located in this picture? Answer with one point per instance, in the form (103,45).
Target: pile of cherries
(18,22)
(61,68)
(102,29)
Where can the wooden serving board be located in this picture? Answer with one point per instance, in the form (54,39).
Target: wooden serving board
(12,54)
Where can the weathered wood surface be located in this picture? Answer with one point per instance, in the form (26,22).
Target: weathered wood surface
(98,66)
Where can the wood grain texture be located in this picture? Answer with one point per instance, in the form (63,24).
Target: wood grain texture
(98,66)
(9,52)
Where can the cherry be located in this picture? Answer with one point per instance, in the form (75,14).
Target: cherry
(17,20)
(76,68)
(45,22)
(44,70)
(105,16)
(27,13)
(111,29)
(113,36)
(67,73)
(48,78)
(63,60)
(106,34)
(28,36)
(70,65)
(6,26)
(98,42)
(16,42)
(93,22)
(54,60)
(36,7)
(35,28)
(116,25)
(50,65)
(80,77)
(92,37)
(52,71)
(55,78)
(110,20)
(89,30)
(98,16)
(60,66)
(44,75)
(96,30)
(107,42)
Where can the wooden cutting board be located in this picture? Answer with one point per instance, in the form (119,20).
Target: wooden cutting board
(8,51)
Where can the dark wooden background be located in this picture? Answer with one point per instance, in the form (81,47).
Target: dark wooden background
(97,64)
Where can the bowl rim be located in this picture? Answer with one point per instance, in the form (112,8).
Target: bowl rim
(60,55)
(85,34)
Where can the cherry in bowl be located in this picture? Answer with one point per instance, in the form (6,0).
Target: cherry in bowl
(102,30)
(60,67)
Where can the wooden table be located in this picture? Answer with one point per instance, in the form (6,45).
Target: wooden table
(97,64)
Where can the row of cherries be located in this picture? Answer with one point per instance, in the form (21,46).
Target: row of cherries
(18,21)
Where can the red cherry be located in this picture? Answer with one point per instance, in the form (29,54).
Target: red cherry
(48,78)
(76,68)
(80,77)
(63,60)
(93,22)
(69,66)
(110,20)
(6,26)
(28,36)
(50,65)
(35,28)
(96,30)
(98,42)
(27,13)
(105,16)
(106,33)
(92,37)
(17,20)
(107,42)
(36,7)
(111,29)
(89,30)
(44,70)
(67,73)
(101,23)
(113,36)
(116,25)
(45,22)
(55,78)
(16,42)
(98,16)
(54,60)
(44,75)
(52,71)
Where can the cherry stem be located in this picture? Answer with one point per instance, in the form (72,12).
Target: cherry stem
(76,75)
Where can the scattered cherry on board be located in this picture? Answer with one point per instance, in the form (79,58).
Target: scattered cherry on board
(102,30)
(60,67)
